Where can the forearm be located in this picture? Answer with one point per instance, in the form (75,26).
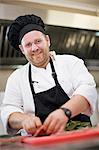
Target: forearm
(77,104)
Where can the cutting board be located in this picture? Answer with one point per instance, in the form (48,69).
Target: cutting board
(69,136)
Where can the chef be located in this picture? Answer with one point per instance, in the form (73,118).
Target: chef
(44,92)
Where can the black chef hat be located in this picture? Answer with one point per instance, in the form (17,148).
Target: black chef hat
(22,25)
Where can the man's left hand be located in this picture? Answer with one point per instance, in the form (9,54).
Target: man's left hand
(55,122)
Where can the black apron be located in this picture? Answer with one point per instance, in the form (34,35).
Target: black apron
(50,100)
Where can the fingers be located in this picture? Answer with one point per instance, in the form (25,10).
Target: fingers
(52,125)
(55,127)
(40,131)
(55,122)
(61,129)
(58,128)
(38,122)
(49,126)
(31,124)
(30,128)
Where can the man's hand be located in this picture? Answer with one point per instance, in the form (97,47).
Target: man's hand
(31,123)
(55,122)
(27,121)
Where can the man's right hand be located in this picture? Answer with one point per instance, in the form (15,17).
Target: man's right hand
(31,123)
(26,121)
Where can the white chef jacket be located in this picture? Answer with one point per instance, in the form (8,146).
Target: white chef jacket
(72,75)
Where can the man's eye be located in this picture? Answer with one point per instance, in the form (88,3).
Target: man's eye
(38,41)
(28,45)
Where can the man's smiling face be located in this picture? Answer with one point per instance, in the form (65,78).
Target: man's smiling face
(35,47)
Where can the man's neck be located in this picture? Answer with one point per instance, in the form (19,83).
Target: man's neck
(44,65)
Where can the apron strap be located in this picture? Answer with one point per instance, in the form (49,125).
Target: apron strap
(54,75)
(30,81)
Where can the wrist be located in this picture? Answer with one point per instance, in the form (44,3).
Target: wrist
(67,112)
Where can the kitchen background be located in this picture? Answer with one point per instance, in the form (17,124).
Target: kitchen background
(73,27)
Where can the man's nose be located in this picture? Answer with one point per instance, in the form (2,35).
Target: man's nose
(34,47)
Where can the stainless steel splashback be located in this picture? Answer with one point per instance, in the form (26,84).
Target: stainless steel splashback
(64,40)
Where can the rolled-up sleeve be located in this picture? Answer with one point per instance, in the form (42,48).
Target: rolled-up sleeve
(90,93)
(12,101)
(84,84)
(6,111)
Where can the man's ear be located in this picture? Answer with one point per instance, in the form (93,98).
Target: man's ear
(21,48)
(48,40)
